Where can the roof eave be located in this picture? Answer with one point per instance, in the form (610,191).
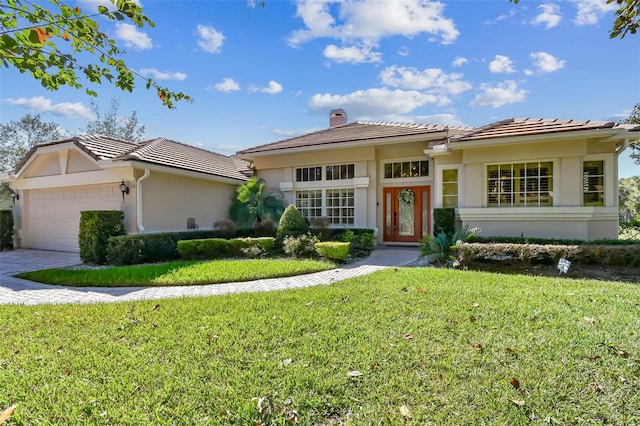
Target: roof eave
(137,164)
(423,137)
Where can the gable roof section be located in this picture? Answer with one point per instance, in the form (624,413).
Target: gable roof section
(169,153)
(160,151)
(352,132)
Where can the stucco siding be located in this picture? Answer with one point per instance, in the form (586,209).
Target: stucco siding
(169,200)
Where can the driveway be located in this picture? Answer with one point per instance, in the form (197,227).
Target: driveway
(17,291)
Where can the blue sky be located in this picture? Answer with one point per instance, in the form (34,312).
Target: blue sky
(261,74)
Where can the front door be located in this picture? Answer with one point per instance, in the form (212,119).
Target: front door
(406,213)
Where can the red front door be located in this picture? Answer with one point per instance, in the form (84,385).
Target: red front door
(406,213)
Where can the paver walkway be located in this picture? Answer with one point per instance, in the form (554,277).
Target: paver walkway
(17,291)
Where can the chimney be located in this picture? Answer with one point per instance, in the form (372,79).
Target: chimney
(337,117)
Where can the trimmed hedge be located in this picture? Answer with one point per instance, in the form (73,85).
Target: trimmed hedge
(552,241)
(215,248)
(605,255)
(148,248)
(6,229)
(333,250)
(96,227)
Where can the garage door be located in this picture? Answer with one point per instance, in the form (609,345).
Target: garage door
(54,214)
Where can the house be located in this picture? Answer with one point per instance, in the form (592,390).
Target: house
(160,185)
(515,177)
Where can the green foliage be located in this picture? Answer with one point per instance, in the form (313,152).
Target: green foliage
(605,255)
(301,246)
(363,241)
(18,137)
(444,220)
(553,241)
(51,40)
(96,227)
(155,247)
(6,229)
(629,197)
(319,226)
(443,244)
(264,228)
(634,117)
(254,203)
(333,250)
(225,227)
(291,224)
(113,125)
(217,248)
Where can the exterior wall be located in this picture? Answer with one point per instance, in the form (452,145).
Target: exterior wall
(566,218)
(169,200)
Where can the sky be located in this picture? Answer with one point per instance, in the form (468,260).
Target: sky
(259,73)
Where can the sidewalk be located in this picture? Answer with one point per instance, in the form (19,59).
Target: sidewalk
(18,291)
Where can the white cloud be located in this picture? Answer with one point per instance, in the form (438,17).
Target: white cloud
(497,96)
(63,109)
(459,61)
(273,88)
(210,40)
(366,22)
(550,15)
(501,65)
(373,102)
(354,55)
(431,79)
(590,11)
(94,4)
(545,62)
(444,119)
(132,37)
(502,17)
(160,75)
(404,51)
(227,85)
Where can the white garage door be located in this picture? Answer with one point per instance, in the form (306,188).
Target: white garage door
(54,214)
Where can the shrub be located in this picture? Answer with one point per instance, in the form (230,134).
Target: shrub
(442,244)
(6,229)
(291,224)
(319,226)
(301,246)
(363,241)
(444,220)
(156,247)
(333,250)
(226,228)
(264,228)
(96,227)
(529,254)
(215,248)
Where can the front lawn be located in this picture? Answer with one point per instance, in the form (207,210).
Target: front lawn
(178,273)
(414,346)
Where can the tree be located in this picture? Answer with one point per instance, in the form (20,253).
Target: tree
(111,124)
(255,203)
(18,137)
(634,118)
(627,17)
(46,39)
(629,194)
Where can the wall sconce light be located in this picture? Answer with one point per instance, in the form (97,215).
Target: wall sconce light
(124,188)
(15,196)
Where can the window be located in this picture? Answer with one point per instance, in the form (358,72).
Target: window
(309,203)
(593,183)
(340,206)
(308,174)
(343,171)
(520,185)
(450,188)
(406,169)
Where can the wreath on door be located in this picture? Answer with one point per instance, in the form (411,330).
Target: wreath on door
(406,196)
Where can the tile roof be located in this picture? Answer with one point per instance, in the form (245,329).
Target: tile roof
(166,152)
(357,131)
(530,126)
(158,151)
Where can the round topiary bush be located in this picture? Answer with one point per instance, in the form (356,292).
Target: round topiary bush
(291,224)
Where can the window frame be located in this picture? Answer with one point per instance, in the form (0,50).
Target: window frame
(515,184)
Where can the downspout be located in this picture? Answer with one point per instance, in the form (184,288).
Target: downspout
(146,174)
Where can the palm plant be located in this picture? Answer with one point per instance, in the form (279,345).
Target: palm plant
(255,203)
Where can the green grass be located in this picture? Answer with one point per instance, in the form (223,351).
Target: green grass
(178,273)
(445,345)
